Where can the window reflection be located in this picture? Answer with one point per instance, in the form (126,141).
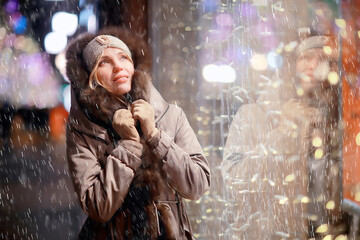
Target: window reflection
(286,144)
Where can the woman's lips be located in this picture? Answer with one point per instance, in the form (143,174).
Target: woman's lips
(120,79)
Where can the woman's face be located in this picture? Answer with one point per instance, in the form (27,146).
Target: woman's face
(115,71)
(312,67)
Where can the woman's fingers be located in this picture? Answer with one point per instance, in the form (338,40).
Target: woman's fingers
(142,110)
(123,117)
(124,125)
(122,113)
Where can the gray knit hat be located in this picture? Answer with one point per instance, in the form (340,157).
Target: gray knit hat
(94,48)
(312,42)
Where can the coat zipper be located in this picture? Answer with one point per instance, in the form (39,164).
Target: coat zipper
(180,212)
(168,106)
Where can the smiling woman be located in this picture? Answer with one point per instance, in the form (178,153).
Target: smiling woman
(132,156)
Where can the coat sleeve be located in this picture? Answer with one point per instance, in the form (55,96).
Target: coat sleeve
(183,160)
(101,189)
(244,150)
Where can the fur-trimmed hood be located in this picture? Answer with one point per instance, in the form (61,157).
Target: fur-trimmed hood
(98,104)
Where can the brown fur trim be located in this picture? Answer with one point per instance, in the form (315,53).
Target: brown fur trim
(168,219)
(102,105)
(75,66)
(152,224)
(150,174)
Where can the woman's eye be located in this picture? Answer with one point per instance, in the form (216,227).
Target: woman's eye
(307,57)
(323,58)
(104,62)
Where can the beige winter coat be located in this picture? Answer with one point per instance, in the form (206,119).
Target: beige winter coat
(102,173)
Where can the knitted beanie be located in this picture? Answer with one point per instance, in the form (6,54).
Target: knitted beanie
(94,48)
(312,42)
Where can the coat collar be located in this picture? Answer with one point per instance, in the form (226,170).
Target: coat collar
(157,101)
(79,121)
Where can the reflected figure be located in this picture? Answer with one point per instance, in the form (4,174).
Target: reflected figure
(277,156)
(132,156)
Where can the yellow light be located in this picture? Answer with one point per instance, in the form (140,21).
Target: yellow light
(290,178)
(316,142)
(357,197)
(275,85)
(327,237)
(300,92)
(357,139)
(209,210)
(283,200)
(319,153)
(319,12)
(341,23)
(288,48)
(327,50)
(341,237)
(253,179)
(343,33)
(330,205)
(305,199)
(322,228)
(333,77)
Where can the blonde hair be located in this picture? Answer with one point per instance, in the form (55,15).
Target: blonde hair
(93,79)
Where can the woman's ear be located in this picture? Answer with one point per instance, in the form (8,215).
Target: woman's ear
(93,83)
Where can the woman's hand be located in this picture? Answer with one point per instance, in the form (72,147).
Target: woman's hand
(145,113)
(124,124)
(294,112)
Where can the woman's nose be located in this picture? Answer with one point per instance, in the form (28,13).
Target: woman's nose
(314,62)
(117,67)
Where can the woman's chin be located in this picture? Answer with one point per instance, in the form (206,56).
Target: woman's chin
(122,91)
